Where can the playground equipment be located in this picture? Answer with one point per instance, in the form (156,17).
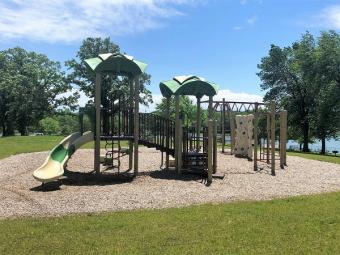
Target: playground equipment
(269,142)
(189,154)
(117,119)
(121,120)
(116,65)
(53,167)
(244,136)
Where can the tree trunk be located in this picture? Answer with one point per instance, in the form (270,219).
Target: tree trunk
(3,128)
(23,126)
(323,146)
(8,130)
(23,131)
(305,136)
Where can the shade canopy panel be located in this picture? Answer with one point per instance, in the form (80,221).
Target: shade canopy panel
(119,64)
(188,85)
(168,88)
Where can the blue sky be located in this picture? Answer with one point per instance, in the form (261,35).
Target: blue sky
(221,40)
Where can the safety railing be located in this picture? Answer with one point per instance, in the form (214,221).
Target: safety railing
(157,131)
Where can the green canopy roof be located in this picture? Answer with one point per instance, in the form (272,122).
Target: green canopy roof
(188,85)
(116,63)
(168,88)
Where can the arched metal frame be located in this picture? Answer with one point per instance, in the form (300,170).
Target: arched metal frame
(267,153)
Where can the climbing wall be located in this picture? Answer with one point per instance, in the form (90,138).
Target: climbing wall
(244,135)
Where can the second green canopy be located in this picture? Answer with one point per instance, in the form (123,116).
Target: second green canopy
(188,85)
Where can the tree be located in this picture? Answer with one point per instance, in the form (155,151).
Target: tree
(186,107)
(327,118)
(49,126)
(82,77)
(68,121)
(287,74)
(30,86)
(6,98)
(305,79)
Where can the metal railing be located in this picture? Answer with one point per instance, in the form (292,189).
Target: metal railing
(157,131)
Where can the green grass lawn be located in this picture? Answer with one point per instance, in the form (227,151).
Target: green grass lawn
(22,144)
(301,225)
(314,156)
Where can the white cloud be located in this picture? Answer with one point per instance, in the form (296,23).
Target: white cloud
(252,20)
(229,95)
(83,99)
(237,96)
(224,93)
(249,22)
(244,2)
(330,17)
(157,98)
(71,20)
(238,28)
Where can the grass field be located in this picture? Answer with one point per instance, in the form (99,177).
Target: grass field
(301,225)
(22,144)
(314,156)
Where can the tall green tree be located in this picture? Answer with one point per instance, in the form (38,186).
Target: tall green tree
(305,79)
(49,126)
(81,76)
(7,118)
(68,121)
(4,100)
(31,86)
(186,107)
(327,117)
(287,74)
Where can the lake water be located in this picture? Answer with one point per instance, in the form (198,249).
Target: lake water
(331,145)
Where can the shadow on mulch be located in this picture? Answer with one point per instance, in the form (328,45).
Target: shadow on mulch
(173,175)
(91,179)
(86,179)
(48,187)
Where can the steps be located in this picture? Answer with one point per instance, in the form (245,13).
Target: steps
(196,161)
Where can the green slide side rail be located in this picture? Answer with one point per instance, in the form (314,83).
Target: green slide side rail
(59,153)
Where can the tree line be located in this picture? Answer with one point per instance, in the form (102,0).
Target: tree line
(304,78)
(33,88)
(30,88)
